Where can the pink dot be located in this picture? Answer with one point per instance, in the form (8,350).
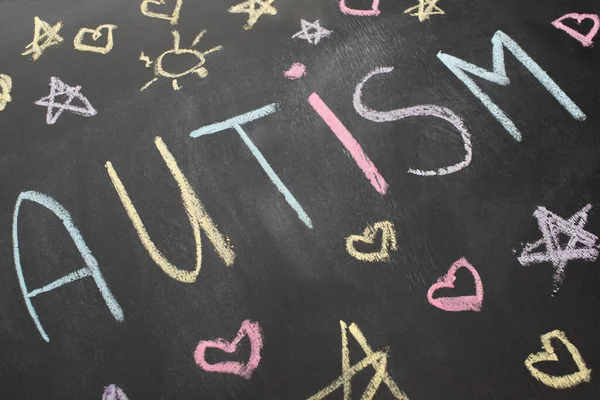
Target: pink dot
(296,71)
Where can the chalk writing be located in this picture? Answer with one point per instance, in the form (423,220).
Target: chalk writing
(558,382)
(61,91)
(197,215)
(96,34)
(255,9)
(5,88)
(197,69)
(585,40)
(245,370)
(312,32)
(44,36)
(457,303)
(172,18)
(425,110)
(424,9)
(296,71)
(377,359)
(500,41)
(388,241)
(90,270)
(581,244)
(373,12)
(354,148)
(237,123)
(113,392)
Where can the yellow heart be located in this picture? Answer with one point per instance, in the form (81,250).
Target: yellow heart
(558,382)
(96,34)
(388,241)
(173,18)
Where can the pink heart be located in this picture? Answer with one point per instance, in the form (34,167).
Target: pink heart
(459,303)
(373,12)
(252,329)
(584,40)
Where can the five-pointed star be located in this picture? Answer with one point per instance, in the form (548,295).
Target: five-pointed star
(60,90)
(424,9)
(317,33)
(255,9)
(44,36)
(375,359)
(581,244)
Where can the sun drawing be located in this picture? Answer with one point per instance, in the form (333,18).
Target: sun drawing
(197,69)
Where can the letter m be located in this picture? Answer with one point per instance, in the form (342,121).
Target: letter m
(501,41)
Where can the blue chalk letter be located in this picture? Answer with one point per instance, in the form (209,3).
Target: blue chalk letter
(460,68)
(91,268)
(236,123)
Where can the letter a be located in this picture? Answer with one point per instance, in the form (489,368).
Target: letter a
(199,219)
(91,268)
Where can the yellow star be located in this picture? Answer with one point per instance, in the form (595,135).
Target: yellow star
(378,360)
(424,9)
(44,36)
(255,9)
(5,87)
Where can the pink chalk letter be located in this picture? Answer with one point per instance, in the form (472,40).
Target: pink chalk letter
(584,40)
(248,328)
(353,147)
(296,71)
(459,303)
(373,12)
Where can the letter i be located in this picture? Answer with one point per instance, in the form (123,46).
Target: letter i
(350,143)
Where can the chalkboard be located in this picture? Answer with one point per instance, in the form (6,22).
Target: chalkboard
(318,199)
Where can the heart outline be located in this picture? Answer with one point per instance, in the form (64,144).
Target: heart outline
(553,381)
(458,303)
(173,18)
(585,40)
(96,34)
(388,240)
(245,370)
(373,12)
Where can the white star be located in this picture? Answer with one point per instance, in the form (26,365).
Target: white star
(59,89)
(317,33)
(581,244)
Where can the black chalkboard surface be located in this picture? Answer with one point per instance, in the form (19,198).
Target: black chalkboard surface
(271,199)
